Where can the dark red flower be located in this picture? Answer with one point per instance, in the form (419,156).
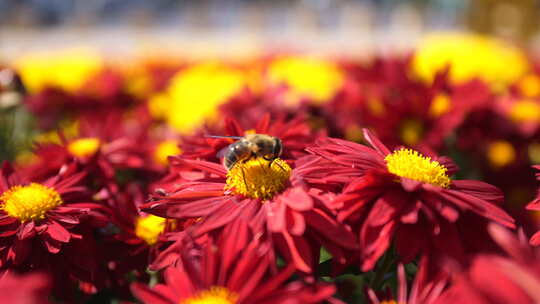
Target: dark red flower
(426,289)
(272,197)
(102,144)
(48,225)
(235,268)
(514,278)
(408,199)
(401,109)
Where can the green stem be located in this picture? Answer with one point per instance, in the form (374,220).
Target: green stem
(386,264)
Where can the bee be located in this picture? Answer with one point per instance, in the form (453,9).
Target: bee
(251,146)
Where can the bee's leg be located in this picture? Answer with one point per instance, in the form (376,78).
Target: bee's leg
(244,177)
(273,161)
(270,159)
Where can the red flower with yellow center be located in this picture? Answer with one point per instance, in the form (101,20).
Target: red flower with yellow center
(235,268)
(102,144)
(401,109)
(267,194)
(48,225)
(407,198)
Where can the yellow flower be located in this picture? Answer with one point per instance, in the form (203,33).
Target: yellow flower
(469,56)
(67,70)
(306,77)
(194,95)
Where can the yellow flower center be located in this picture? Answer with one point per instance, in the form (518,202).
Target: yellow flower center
(411,164)
(29,202)
(148,228)
(525,111)
(258,178)
(214,295)
(411,131)
(501,153)
(440,105)
(166,149)
(84,147)
(389,302)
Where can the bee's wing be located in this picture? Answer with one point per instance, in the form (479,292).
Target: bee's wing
(221,152)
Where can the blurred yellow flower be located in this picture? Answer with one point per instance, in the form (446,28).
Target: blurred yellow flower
(470,56)
(69,129)
(525,111)
(164,150)
(307,77)
(501,153)
(194,95)
(67,69)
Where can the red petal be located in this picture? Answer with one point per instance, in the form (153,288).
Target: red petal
(330,229)
(58,232)
(375,142)
(477,205)
(297,199)
(373,242)
(149,296)
(298,226)
(53,246)
(26,230)
(410,185)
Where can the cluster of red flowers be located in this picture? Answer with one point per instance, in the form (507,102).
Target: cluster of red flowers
(124,195)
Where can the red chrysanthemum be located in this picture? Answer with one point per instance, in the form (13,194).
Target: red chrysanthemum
(426,289)
(401,109)
(235,268)
(494,279)
(48,225)
(407,198)
(271,196)
(103,144)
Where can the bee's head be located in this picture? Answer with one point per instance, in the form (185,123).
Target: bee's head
(277,148)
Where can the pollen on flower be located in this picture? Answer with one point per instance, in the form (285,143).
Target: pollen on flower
(84,147)
(213,295)
(29,202)
(258,178)
(148,228)
(411,164)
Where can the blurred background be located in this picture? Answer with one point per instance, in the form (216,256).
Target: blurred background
(244,27)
